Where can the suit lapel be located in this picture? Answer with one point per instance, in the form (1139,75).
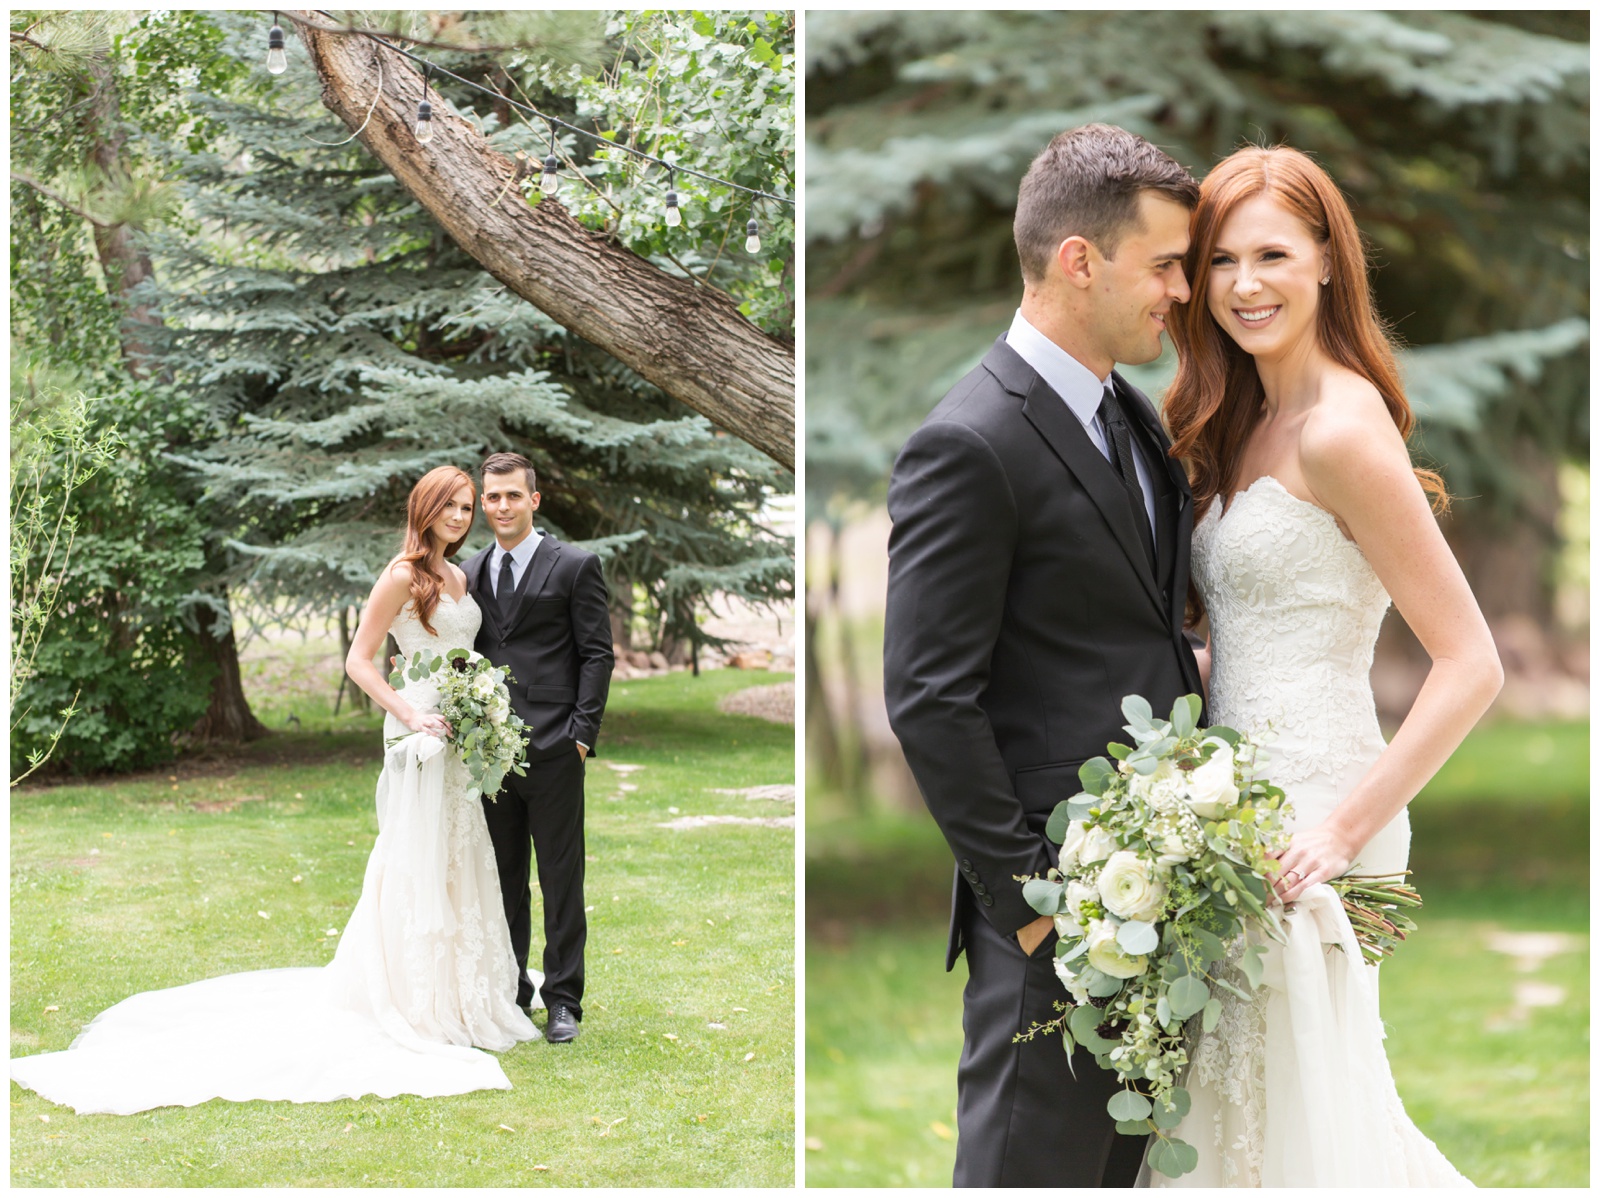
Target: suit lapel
(1048,413)
(533,580)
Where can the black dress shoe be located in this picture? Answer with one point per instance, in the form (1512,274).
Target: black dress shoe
(562,1026)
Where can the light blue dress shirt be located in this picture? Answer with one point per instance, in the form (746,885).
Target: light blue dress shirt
(1076,384)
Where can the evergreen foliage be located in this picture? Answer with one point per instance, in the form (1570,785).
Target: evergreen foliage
(1460,139)
(339,346)
(325,344)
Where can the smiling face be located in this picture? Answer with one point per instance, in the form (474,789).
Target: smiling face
(1135,289)
(1265,279)
(452,525)
(510,505)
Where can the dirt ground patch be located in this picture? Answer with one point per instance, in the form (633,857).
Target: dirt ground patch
(774,703)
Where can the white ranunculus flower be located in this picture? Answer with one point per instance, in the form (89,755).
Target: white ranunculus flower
(1162,788)
(1079,992)
(1098,844)
(499,708)
(483,686)
(1211,789)
(1067,927)
(1132,888)
(1076,831)
(1107,956)
(1077,892)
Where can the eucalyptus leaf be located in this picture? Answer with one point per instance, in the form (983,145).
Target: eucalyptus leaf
(1056,827)
(1133,1127)
(1078,806)
(1084,1022)
(1185,714)
(1070,948)
(1094,774)
(1161,1160)
(1187,995)
(1136,708)
(1105,986)
(1042,895)
(1209,1016)
(1128,1104)
(1138,938)
(1252,965)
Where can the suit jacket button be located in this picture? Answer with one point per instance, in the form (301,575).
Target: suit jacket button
(966,866)
(986,899)
(980,888)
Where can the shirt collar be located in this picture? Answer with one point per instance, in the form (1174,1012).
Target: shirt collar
(1065,375)
(524,551)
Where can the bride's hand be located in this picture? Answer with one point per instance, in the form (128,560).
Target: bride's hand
(1315,855)
(432,723)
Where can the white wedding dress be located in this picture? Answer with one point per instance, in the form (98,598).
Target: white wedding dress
(1293,1087)
(423,972)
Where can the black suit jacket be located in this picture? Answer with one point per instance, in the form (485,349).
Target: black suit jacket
(1021,609)
(557,643)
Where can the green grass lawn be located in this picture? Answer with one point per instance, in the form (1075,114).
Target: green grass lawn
(684,1074)
(1500,844)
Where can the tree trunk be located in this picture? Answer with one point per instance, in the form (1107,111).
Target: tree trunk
(687,339)
(229,718)
(124,264)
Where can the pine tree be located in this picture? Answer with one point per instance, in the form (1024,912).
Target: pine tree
(340,346)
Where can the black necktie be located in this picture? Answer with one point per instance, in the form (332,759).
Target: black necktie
(1122,462)
(507,586)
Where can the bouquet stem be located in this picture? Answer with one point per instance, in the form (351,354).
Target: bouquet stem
(1374,905)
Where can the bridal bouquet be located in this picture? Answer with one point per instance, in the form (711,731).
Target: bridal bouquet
(1165,856)
(474,699)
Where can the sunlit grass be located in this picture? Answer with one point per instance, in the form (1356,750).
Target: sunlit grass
(127,885)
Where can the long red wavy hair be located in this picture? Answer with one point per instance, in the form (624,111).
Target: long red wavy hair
(1216,399)
(428,501)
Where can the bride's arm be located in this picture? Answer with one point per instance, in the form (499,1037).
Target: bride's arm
(1355,463)
(389,595)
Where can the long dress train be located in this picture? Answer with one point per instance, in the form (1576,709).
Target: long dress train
(1293,1087)
(423,973)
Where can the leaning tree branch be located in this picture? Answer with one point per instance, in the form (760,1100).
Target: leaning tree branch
(51,194)
(690,341)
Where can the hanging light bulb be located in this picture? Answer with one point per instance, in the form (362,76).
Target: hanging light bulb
(425,111)
(674,217)
(752,237)
(277,60)
(549,181)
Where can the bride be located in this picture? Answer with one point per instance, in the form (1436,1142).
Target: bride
(1289,415)
(424,974)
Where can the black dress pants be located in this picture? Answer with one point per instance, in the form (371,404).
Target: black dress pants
(1022,1118)
(543,811)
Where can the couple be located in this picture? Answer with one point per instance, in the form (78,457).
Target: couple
(1052,541)
(432,965)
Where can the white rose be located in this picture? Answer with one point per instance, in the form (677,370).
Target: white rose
(499,708)
(483,686)
(1077,894)
(1132,888)
(1211,788)
(1098,844)
(1071,844)
(1107,956)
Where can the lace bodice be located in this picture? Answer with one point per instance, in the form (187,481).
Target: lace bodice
(1294,610)
(456,623)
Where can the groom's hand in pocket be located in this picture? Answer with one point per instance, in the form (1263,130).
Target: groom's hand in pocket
(1031,936)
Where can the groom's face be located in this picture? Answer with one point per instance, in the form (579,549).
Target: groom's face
(509,504)
(1136,289)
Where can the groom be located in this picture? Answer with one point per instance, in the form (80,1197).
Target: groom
(1037,573)
(546,618)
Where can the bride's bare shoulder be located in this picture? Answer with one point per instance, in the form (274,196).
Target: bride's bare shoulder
(1348,426)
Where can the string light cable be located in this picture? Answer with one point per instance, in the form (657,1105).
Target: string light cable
(549,180)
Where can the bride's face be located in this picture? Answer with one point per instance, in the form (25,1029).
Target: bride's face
(1265,280)
(457,518)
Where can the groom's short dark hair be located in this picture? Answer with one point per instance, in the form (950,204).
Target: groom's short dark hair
(509,463)
(1086,183)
